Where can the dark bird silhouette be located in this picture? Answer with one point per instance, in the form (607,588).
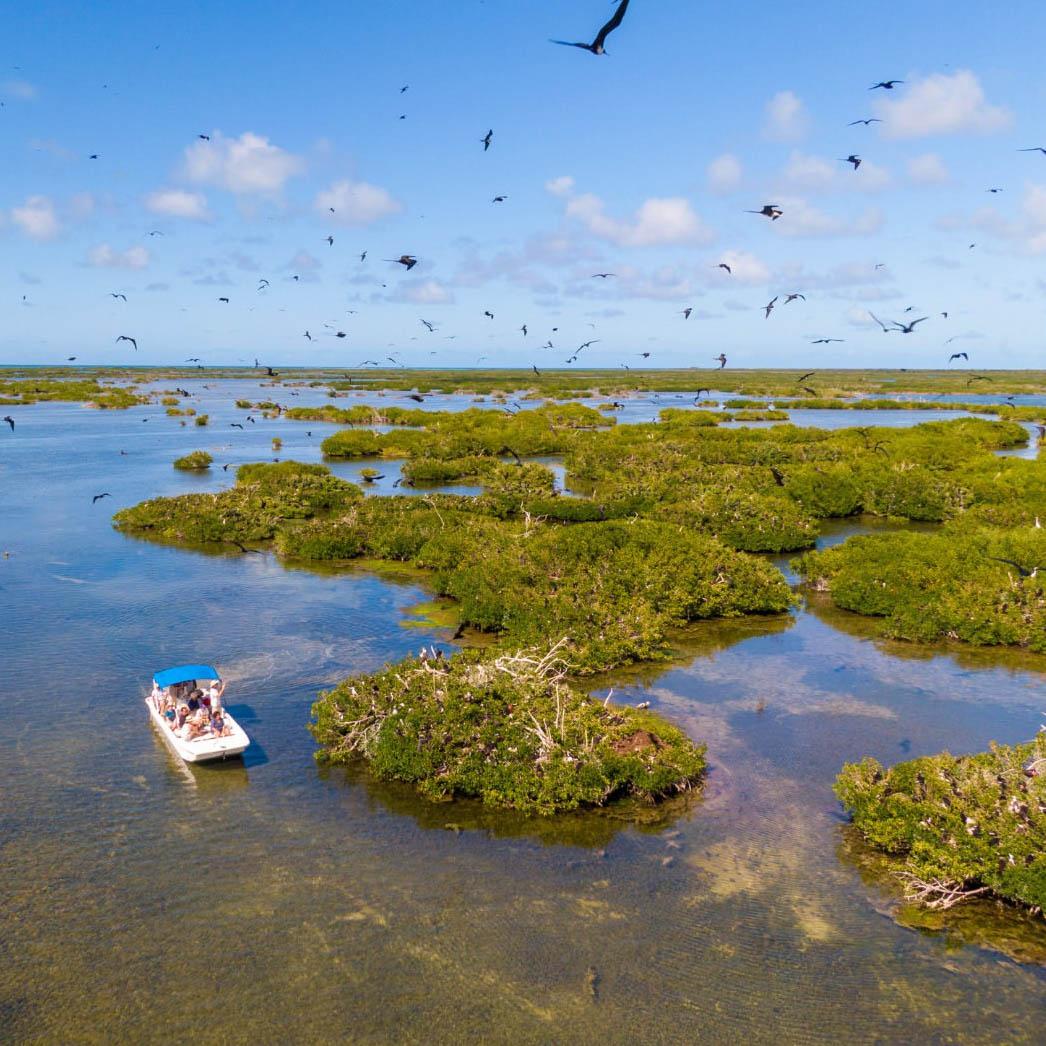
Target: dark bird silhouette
(272,373)
(699,391)
(192,359)
(723,265)
(958,356)
(768,210)
(886,330)
(114,296)
(597,45)
(1034,149)
(243,548)
(1023,571)
(994,190)
(10,421)
(645,355)
(602,275)
(251,420)
(792,297)
(803,377)
(533,367)
(204,137)
(721,358)
(587,343)
(888,85)
(363,256)
(417,399)
(524,330)
(907,328)
(769,307)
(779,477)
(809,391)
(337,334)
(371,479)
(262,283)
(686,312)
(226,300)
(235,425)
(855,160)
(488,314)
(330,241)
(98,497)
(307,335)
(408,261)
(124,337)
(499,199)
(854,123)
(404,88)
(487,139)
(430,326)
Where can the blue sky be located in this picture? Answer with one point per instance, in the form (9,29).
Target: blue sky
(641,163)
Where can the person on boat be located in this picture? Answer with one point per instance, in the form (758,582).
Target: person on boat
(212,696)
(181,717)
(218,727)
(194,700)
(169,712)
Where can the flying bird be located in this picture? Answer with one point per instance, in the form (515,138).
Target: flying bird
(1034,149)
(417,399)
(721,358)
(854,123)
(363,256)
(524,330)
(808,374)
(602,275)
(792,297)
(499,199)
(723,265)
(430,326)
(855,160)
(769,306)
(768,210)
(587,343)
(98,497)
(330,241)
(307,335)
(957,356)
(204,137)
(596,47)
(686,312)
(534,368)
(888,85)
(907,328)
(114,296)
(10,421)
(488,313)
(262,283)
(826,341)
(226,300)
(487,139)
(408,261)
(235,425)
(124,337)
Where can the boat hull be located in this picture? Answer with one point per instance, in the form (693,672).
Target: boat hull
(203,750)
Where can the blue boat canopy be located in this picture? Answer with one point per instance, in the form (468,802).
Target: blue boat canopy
(183,673)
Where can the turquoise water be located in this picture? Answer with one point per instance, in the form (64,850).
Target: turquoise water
(145,901)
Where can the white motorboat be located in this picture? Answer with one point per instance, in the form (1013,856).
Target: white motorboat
(197,740)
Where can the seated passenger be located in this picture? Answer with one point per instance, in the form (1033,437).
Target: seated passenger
(182,716)
(194,700)
(218,727)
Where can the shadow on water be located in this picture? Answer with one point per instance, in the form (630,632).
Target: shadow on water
(588,829)
(978,923)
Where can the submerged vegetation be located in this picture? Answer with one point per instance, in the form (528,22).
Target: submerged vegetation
(960,826)
(509,730)
(89,391)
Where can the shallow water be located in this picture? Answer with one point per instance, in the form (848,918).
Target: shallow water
(145,901)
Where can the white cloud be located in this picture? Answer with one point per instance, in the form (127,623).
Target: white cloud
(810,172)
(800,219)
(423,292)
(941,104)
(21,89)
(807,173)
(248,164)
(178,203)
(659,221)
(561,186)
(37,218)
(105,257)
(786,119)
(356,203)
(927,169)
(745,268)
(724,173)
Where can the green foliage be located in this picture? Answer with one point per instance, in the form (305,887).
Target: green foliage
(509,731)
(202,419)
(71,390)
(265,497)
(946,585)
(198,459)
(961,822)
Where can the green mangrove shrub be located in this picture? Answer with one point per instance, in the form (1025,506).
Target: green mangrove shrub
(508,730)
(197,459)
(959,826)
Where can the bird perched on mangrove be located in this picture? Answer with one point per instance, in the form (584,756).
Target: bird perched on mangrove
(124,337)
(768,210)
(597,45)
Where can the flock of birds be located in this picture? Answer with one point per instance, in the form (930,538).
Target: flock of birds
(771,211)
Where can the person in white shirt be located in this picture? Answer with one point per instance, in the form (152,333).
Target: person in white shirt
(213,695)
